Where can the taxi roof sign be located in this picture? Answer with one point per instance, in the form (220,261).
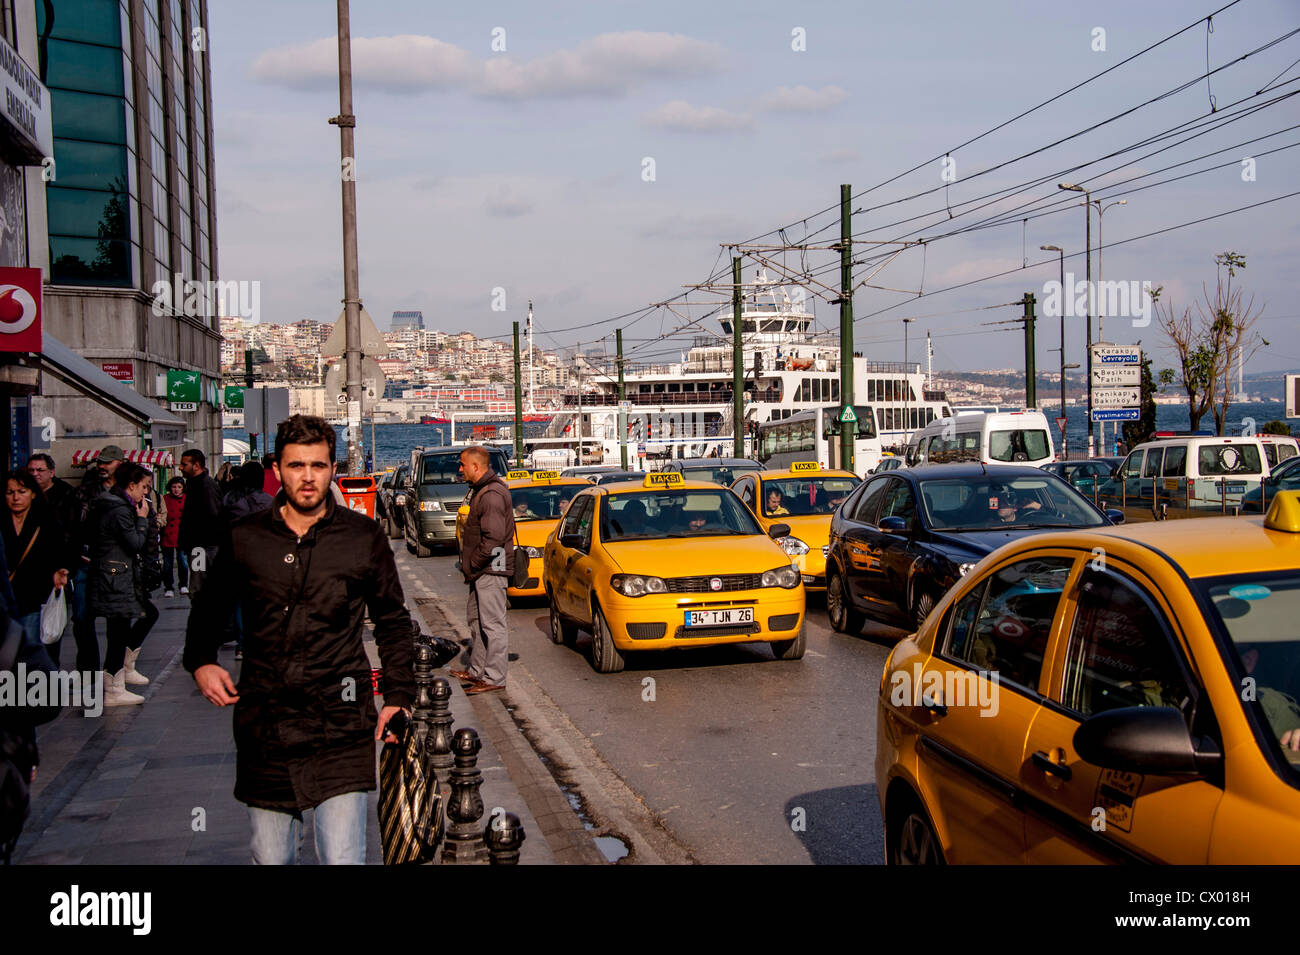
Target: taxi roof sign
(805,466)
(517,475)
(546,475)
(664,479)
(1284,513)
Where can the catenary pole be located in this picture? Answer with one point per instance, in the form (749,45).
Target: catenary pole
(346,121)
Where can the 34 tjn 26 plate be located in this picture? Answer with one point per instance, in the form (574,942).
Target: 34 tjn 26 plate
(716,618)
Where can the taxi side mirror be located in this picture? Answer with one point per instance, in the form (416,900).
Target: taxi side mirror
(463,509)
(1148,740)
(571,541)
(777,531)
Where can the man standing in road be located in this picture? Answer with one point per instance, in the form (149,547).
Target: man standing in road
(305,572)
(487,559)
(200,522)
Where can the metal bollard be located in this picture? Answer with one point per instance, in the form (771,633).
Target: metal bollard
(422,709)
(504,839)
(464,844)
(440,722)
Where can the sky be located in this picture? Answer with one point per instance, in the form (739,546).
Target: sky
(595,158)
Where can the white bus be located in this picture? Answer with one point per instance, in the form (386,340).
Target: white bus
(815,436)
(1006,437)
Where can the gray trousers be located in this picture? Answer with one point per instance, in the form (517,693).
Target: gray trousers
(489,652)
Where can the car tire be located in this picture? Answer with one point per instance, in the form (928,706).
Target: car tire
(921,609)
(393,531)
(790,649)
(421,550)
(562,632)
(910,839)
(844,617)
(605,657)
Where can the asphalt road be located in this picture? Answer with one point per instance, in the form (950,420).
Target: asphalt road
(743,758)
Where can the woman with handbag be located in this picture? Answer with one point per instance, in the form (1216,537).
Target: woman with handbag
(119,519)
(35,551)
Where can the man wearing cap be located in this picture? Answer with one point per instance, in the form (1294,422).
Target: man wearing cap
(200,520)
(97,480)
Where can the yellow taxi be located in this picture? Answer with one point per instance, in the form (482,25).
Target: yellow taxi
(804,496)
(539,499)
(665,563)
(1119,694)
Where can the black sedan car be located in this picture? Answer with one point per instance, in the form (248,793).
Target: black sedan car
(1086,474)
(901,539)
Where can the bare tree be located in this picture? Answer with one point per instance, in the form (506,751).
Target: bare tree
(1209,344)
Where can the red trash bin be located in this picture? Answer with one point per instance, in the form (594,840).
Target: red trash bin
(359,492)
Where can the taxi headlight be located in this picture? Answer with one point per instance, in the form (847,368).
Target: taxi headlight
(533,552)
(793,546)
(431,505)
(635,585)
(787,577)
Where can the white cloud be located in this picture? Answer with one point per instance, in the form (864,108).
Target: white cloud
(506,205)
(803,99)
(682,116)
(606,65)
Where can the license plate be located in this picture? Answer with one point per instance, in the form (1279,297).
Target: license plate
(1237,487)
(717,618)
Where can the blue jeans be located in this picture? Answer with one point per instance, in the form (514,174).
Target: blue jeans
(340,823)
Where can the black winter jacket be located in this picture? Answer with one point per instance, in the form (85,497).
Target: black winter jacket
(305,721)
(117,537)
(201,524)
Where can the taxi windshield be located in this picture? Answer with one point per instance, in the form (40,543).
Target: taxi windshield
(992,502)
(1260,616)
(652,515)
(722,474)
(788,497)
(541,503)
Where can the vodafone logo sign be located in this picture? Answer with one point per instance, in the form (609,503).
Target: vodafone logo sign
(17,309)
(20,310)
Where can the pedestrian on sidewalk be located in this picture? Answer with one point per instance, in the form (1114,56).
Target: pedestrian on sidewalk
(97,479)
(35,550)
(201,518)
(270,483)
(487,560)
(120,518)
(58,492)
(306,571)
(172,553)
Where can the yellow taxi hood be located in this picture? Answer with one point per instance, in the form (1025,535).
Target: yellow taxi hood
(696,556)
(534,533)
(812,529)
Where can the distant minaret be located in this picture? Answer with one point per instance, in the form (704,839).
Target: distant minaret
(929,361)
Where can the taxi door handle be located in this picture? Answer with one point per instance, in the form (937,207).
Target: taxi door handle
(934,706)
(1049,765)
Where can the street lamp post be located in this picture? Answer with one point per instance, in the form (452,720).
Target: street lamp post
(1101,301)
(1087,206)
(907,385)
(1061,252)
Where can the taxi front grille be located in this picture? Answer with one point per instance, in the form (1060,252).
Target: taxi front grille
(703,585)
(730,630)
(646,631)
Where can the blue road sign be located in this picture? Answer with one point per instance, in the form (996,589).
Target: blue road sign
(1117,414)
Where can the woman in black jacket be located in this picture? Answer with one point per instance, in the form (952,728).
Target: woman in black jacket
(119,522)
(35,550)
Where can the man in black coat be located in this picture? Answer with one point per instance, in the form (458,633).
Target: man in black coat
(304,572)
(201,525)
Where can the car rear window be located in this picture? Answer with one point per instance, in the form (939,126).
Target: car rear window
(1229,459)
(1019,445)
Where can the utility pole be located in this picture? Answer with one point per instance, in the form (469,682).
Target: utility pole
(346,121)
(737,364)
(578,362)
(622,396)
(532,407)
(1031,369)
(248,383)
(519,405)
(848,429)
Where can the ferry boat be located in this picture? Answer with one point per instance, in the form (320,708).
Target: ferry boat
(685,409)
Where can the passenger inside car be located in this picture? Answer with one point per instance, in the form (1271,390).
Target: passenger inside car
(776,504)
(1280,709)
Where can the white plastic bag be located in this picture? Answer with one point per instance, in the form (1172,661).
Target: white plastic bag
(54,616)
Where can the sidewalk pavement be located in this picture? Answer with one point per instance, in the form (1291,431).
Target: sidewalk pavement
(152,784)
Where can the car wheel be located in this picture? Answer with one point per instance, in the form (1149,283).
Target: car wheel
(914,841)
(562,632)
(844,618)
(393,531)
(421,550)
(924,604)
(605,657)
(790,649)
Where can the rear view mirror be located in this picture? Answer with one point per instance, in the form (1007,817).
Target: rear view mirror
(892,525)
(1116,515)
(571,541)
(777,531)
(1148,740)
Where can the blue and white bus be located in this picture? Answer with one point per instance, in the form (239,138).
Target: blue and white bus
(815,436)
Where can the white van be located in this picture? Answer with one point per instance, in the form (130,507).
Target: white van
(1278,447)
(993,437)
(1187,470)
